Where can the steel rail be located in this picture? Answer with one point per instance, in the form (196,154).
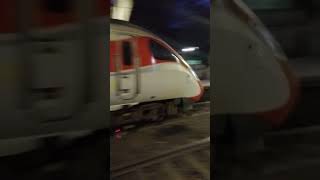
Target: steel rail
(157,159)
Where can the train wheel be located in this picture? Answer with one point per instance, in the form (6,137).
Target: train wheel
(155,112)
(162,113)
(172,108)
(159,113)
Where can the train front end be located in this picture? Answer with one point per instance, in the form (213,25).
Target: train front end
(144,68)
(252,75)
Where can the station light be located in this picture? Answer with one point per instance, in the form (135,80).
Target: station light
(189,49)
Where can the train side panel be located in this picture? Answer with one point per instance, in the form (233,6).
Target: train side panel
(51,81)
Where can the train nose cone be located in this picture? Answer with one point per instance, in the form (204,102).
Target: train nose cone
(199,96)
(277,116)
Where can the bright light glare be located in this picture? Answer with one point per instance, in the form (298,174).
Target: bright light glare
(189,49)
(122,9)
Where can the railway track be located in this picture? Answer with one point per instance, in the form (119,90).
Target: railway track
(191,161)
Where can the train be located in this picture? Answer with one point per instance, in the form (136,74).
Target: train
(255,88)
(53,86)
(146,73)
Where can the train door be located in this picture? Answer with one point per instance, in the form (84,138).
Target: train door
(128,70)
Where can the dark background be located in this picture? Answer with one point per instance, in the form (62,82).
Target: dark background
(181,23)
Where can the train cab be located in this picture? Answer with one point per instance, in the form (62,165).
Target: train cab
(143,68)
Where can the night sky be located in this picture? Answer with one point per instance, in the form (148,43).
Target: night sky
(180,22)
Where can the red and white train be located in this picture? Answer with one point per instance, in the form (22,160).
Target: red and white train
(254,86)
(145,69)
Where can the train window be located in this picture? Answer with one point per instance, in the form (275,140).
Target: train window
(127,53)
(58,6)
(161,53)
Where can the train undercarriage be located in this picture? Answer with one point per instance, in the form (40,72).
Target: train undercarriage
(156,111)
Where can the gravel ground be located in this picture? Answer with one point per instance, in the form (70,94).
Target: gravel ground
(148,141)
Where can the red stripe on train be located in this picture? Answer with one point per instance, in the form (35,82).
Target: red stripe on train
(277,116)
(199,96)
